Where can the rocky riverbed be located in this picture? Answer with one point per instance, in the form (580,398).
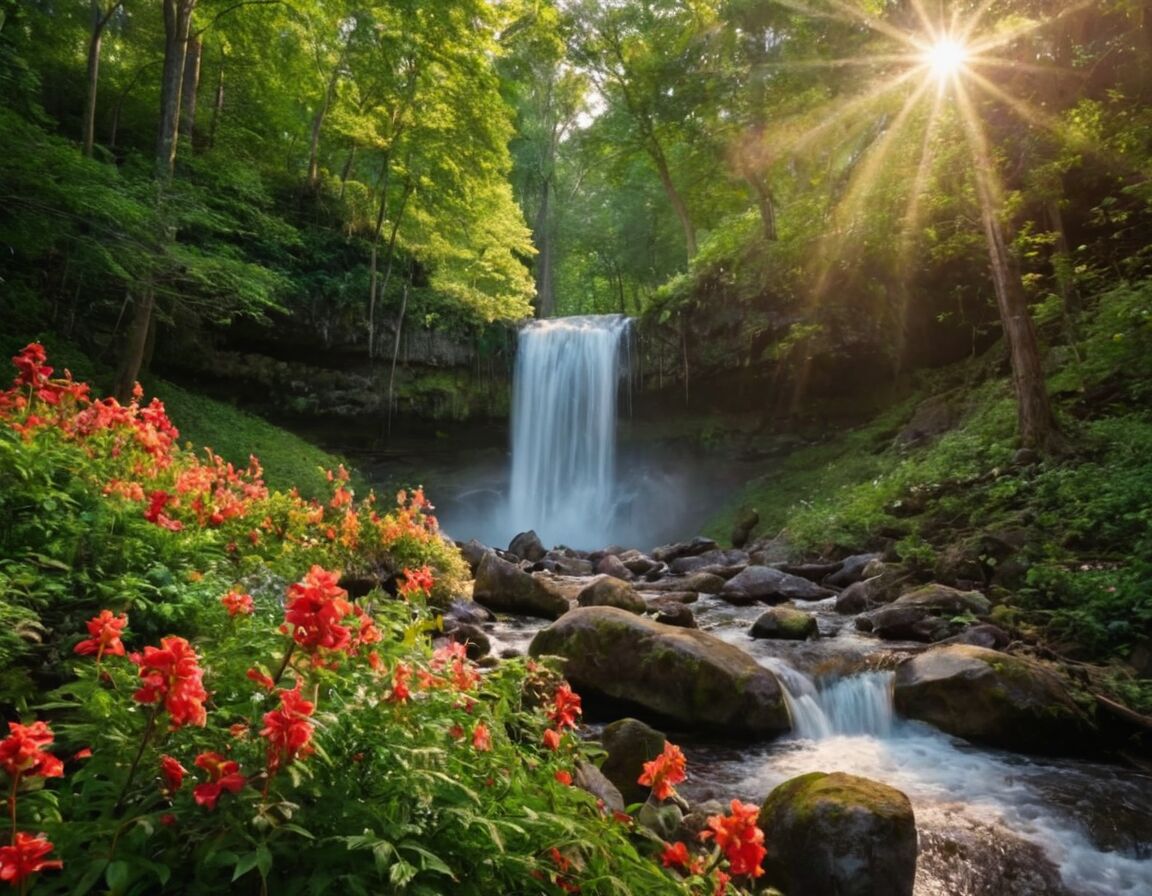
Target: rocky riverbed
(766,670)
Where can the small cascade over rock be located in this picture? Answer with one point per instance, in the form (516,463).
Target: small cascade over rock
(858,705)
(567,377)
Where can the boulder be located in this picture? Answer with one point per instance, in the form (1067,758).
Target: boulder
(682,674)
(851,570)
(746,521)
(769,550)
(987,635)
(473,552)
(573,566)
(669,552)
(814,572)
(505,588)
(467,612)
(718,559)
(931,613)
(990,698)
(786,624)
(605,591)
(474,639)
(671,612)
(591,779)
(629,744)
(763,583)
(699,582)
(527,546)
(638,564)
(839,834)
(610,565)
(856,598)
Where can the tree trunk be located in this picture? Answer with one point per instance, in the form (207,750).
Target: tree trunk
(396,348)
(136,343)
(390,256)
(189,89)
(374,255)
(1036,424)
(318,124)
(678,205)
(100,19)
(177,24)
(545,290)
(217,102)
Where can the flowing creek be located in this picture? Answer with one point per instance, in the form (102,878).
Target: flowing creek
(990,823)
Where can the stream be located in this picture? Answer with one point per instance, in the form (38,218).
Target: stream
(990,822)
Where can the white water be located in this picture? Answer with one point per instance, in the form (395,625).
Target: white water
(566,381)
(959,793)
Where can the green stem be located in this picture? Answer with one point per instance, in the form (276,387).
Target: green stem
(148,729)
(284,664)
(12,804)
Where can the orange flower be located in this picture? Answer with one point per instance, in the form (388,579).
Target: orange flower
(481,738)
(416,581)
(676,855)
(564,777)
(223,774)
(105,631)
(24,857)
(740,838)
(22,752)
(401,675)
(238,603)
(552,739)
(172,674)
(261,678)
(665,771)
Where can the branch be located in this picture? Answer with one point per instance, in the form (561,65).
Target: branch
(236,6)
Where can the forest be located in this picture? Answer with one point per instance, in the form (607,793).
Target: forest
(889,274)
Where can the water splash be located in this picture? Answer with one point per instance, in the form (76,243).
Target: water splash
(859,705)
(564,399)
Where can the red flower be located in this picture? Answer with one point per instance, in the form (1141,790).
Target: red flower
(25,856)
(237,603)
(30,362)
(22,752)
(664,771)
(223,774)
(173,773)
(564,777)
(287,728)
(676,855)
(316,607)
(105,631)
(265,681)
(740,838)
(552,739)
(481,737)
(721,883)
(565,707)
(157,501)
(172,673)
(401,675)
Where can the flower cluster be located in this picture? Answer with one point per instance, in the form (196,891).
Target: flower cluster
(664,772)
(739,837)
(22,756)
(288,729)
(104,636)
(172,676)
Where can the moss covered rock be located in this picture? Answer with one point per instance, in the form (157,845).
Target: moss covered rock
(991,698)
(839,835)
(630,743)
(682,674)
(505,588)
(606,591)
(785,623)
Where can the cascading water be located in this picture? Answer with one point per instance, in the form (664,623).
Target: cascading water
(566,381)
(859,705)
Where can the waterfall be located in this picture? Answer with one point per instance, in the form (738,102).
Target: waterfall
(861,704)
(564,428)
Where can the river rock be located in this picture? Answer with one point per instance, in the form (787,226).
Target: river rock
(639,564)
(991,698)
(573,566)
(669,552)
(591,779)
(698,582)
(683,674)
(987,635)
(732,559)
(610,565)
(813,572)
(763,583)
(856,598)
(931,613)
(505,588)
(851,570)
(746,521)
(629,744)
(769,550)
(839,834)
(527,546)
(467,612)
(786,624)
(671,612)
(605,591)
(474,639)
(473,552)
